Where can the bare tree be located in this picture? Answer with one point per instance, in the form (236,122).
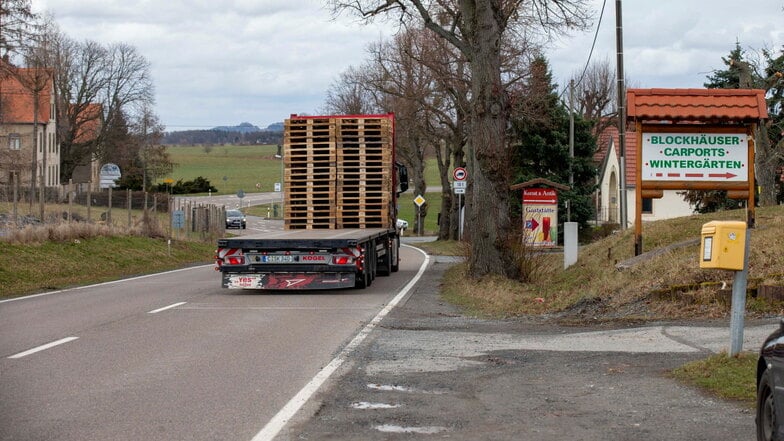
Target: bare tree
(595,93)
(80,79)
(350,94)
(155,161)
(476,28)
(17,22)
(97,87)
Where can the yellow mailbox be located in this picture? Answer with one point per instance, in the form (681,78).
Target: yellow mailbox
(723,245)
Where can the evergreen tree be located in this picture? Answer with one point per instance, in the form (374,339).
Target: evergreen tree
(743,73)
(540,140)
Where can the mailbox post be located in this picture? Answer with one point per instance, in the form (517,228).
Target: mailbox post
(725,245)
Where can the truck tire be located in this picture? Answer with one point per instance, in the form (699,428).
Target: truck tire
(365,278)
(394,255)
(385,269)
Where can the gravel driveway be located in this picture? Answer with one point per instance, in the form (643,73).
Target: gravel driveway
(429,373)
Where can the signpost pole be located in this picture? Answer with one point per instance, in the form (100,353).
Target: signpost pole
(460,175)
(739,301)
(419,220)
(109,211)
(460,212)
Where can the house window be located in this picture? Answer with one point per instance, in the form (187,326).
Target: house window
(14,141)
(647,205)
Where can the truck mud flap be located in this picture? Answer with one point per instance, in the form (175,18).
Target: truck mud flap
(289,281)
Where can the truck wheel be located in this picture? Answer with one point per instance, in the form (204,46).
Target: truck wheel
(363,279)
(386,262)
(394,255)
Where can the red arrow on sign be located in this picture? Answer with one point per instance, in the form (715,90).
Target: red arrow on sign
(727,175)
(534,224)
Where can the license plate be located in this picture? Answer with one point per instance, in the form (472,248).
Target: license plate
(245,281)
(277,259)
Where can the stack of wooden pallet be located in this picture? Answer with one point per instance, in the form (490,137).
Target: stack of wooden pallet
(338,172)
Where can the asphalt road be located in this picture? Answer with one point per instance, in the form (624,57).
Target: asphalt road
(171,356)
(429,372)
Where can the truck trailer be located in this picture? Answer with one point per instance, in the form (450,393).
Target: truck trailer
(341,183)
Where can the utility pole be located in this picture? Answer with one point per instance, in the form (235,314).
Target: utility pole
(571,148)
(621,112)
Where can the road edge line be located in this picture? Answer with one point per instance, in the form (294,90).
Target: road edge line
(279,421)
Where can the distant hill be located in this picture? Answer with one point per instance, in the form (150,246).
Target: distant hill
(275,127)
(244,133)
(245,127)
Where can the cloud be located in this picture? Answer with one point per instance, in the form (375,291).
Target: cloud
(672,43)
(221,63)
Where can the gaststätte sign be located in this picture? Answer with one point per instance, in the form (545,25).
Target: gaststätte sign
(540,215)
(687,156)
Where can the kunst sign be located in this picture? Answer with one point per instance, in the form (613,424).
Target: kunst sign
(540,214)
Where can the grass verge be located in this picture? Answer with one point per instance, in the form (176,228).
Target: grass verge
(38,267)
(668,285)
(730,378)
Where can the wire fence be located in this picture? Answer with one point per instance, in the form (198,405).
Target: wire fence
(137,212)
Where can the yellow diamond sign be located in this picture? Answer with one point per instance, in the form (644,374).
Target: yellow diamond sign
(419,200)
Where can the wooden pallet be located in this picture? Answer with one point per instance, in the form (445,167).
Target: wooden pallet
(337,172)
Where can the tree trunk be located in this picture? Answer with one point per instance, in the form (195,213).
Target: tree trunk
(488,216)
(443,157)
(766,161)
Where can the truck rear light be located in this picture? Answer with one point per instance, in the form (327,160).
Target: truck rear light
(230,256)
(342,260)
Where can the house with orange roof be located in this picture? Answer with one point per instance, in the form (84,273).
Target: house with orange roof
(28,131)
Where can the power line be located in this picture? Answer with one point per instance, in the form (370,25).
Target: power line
(593,45)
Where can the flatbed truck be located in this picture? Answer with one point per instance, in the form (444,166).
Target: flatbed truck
(341,183)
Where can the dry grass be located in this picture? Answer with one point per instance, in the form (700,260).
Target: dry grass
(63,231)
(670,285)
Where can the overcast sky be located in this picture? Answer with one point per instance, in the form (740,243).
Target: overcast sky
(217,62)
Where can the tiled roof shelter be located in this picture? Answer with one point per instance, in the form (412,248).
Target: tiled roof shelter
(696,105)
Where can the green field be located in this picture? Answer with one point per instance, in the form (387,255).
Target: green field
(233,168)
(228,168)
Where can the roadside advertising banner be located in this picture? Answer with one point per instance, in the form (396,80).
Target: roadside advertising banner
(540,214)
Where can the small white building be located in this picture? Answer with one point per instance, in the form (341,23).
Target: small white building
(607,198)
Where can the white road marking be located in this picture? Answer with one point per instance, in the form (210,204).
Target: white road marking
(278,308)
(43,347)
(427,430)
(279,421)
(155,311)
(363,405)
(397,388)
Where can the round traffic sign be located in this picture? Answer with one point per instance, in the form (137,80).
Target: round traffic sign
(460,174)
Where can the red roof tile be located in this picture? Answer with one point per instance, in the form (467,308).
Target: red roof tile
(16,101)
(697,105)
(88,123)
(630,153)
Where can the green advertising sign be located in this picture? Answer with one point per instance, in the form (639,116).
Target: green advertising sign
(695,157)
